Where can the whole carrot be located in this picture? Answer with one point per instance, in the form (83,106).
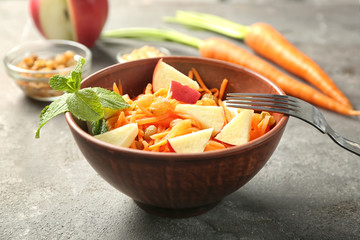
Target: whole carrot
(269,43)
(224,50)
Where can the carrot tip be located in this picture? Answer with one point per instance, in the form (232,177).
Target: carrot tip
(355,112)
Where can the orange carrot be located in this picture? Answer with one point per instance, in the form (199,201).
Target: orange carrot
(227,51)
(116,89)
(200,81)
(222,88)
(191,74)
(269,43)
(121,120)
(214,145)
(224,50)
(150,120)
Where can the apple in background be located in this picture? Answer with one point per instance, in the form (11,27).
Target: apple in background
(122,136)
(190,143)
(237,131)
(208,116)
(164,74)
(77,20)
(183,93)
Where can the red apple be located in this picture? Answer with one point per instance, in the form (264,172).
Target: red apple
(237,131)
(164,74)
(77,20)
(122,136)
(183,93)
(190,143)
(208,116)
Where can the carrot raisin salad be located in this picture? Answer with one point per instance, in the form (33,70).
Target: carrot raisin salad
(178,113)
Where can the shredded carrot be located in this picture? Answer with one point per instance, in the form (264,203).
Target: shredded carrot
(116,89)
(213,145)
(132,117)
(222,88)
(121,120)
(200,81)
(215,92)
(159,135)
(191,74)
(152,119)
(144,110)
(120,88)
(170,124)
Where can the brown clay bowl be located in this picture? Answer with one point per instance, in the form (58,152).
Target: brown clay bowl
(171,184)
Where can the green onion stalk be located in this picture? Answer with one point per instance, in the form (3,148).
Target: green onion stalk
(210,22)
(153,34)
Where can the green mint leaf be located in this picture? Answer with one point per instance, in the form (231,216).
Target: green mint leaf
(98,127)
(110,99)
(85,105)
(76,73)
(61,83)
(55,108)
(69,83)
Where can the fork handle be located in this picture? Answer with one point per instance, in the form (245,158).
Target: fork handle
(349,145)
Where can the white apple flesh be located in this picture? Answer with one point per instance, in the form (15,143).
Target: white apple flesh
(122,136)
(237,131)
(208,116)
(183,93)
(80,21)
(190,143)
(164,74)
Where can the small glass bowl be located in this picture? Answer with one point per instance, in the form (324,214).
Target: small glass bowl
(35,83)
(146,51)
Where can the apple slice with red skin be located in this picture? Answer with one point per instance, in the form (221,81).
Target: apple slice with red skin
(208,116)
(237,131)
(190,143)
(164,74)
(183,93)
(122,136)
(80,21)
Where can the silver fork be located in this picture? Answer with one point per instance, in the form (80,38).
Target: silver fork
(290,106)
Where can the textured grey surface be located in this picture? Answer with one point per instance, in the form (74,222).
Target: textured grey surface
(309,189)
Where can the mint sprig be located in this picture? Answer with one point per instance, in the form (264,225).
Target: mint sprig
(86,104)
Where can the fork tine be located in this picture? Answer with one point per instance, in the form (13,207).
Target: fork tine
(265,95)
(259,102)
(261,96)
(265,102)
(262,108)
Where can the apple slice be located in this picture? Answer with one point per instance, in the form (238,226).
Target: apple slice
(190,143)
(108,112)
(164,74)
(122,136)
(237,131)
(183,93)
(208,116)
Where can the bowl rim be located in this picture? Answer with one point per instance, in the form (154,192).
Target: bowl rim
(181,156)
(14,68)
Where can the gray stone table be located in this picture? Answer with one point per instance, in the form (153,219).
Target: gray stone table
(309,189)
